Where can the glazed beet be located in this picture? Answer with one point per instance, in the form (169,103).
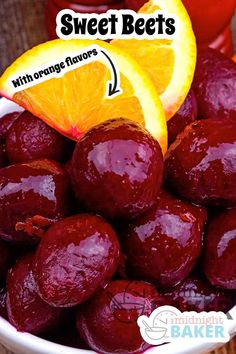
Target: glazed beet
(185,115)
(117,169)
(6,258)
(215,85)
(3,157)
(108,322)
(26,310)
(29,138)
(3,305)
(196,294)
(163,245)
(5,124)
(36,188)
(201,164)
(67,166)
(75,257)
(220,246)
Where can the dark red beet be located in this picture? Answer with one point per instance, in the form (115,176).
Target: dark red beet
(108,322)
(163,245)
(6,259)
(215,85)
(220,246)
(5,124)
(201,164)
(30,138)
(117,169)
(26,190)
(67,166)
(26,310)
(3,158)
(196,294)
(185,115)
(3,305)
(75,257)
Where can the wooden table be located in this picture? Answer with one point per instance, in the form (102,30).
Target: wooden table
(22,27)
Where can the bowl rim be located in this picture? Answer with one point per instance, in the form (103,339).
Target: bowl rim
(13,339)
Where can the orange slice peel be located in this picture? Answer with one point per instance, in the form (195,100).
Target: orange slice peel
(77,101)
(169,63)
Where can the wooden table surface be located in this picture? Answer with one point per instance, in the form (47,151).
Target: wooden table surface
(22,27)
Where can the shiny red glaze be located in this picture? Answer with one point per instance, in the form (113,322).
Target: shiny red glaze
(135,4)
(75,258)
(26,310)
(209,18)
(185,115)
(214,85)
(117,169)
(163,245)
(108,322)
(3,305)
(6,122)
(6,258)
(29,138)
(220,246)
(201,164)
(36,188)
(196,294)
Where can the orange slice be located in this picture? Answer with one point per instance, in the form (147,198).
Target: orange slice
(77,101)
(170,63)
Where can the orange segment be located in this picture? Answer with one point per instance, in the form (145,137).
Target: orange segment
(77,101)
(169,63)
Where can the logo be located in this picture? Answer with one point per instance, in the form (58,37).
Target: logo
(168,324)
(129,304)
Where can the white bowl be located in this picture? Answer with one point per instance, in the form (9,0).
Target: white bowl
(25,343)
(156,333)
